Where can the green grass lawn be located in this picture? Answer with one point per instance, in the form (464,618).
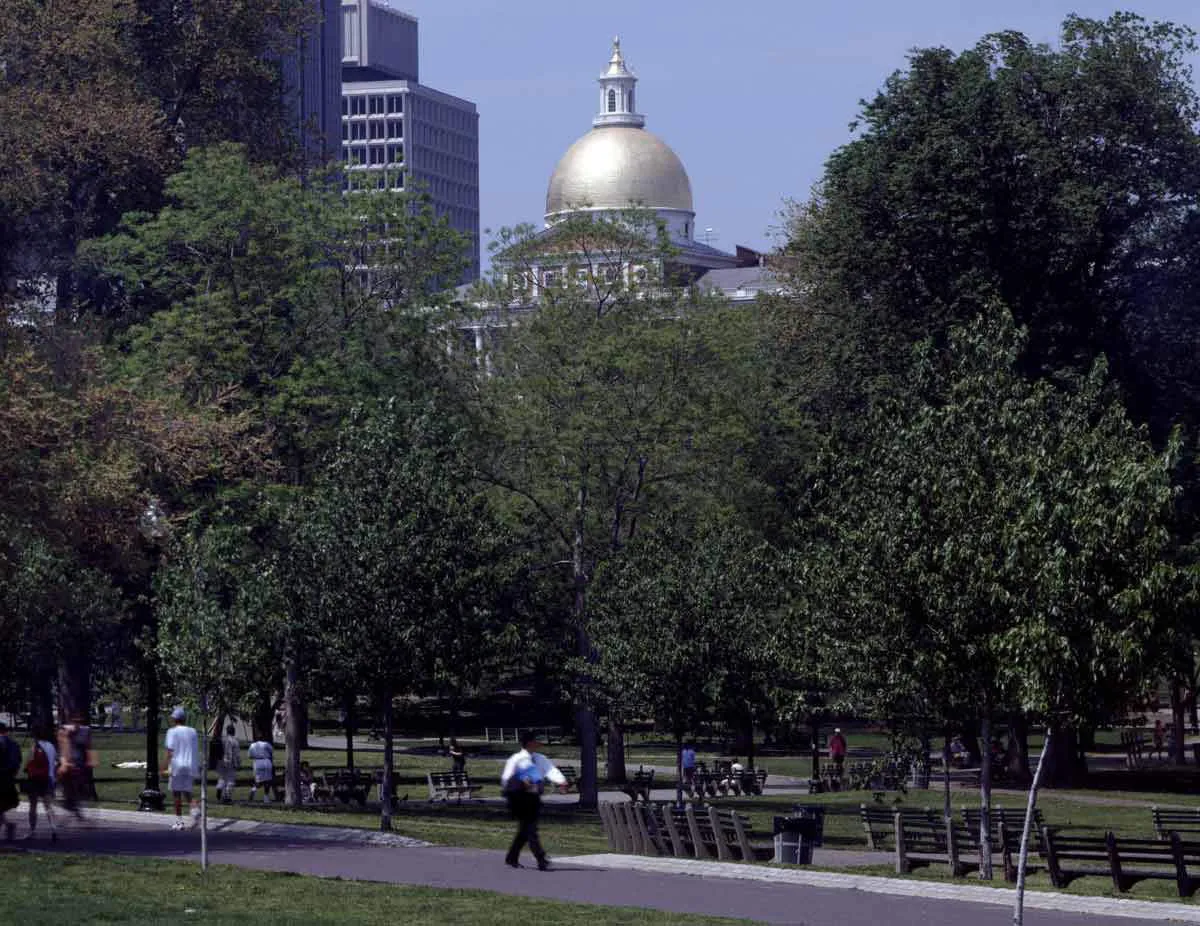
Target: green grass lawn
(49,889)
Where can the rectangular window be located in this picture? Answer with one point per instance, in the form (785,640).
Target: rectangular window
(395,154)
(395,103)
(395,128)
(345,106)
(550,278)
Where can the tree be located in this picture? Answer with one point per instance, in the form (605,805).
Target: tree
(682,624)
(1025,532)
(1061,182)
(605,403)
(397,557)
(252,287)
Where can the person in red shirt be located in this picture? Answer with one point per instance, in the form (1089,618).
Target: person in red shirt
(837,750)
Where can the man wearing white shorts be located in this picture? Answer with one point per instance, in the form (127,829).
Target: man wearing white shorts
(183,767)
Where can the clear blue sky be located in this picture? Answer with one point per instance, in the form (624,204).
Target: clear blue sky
(753,96)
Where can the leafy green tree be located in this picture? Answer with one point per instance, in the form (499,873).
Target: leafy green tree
(1061,182)
(683,626)
(397,558)
(1011,538)
(606,402)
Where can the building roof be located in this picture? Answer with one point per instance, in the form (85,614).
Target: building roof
(740,283)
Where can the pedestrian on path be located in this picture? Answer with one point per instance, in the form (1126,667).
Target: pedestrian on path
(183,766)
(458,758)
(522,781)
(10,768)
(687,764)
(40,779)
(76,759)
(837,750)
(262,755)
(227,768)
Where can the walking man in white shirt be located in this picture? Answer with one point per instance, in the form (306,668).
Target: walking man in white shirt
(183,766)
(522,781)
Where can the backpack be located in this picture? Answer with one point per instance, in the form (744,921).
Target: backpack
(38,766)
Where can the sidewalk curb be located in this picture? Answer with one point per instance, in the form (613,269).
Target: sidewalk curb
(341,835)
(930,890)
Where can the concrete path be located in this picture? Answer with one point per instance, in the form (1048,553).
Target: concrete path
(771,895)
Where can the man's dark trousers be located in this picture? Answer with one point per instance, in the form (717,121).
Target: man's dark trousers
(525,807)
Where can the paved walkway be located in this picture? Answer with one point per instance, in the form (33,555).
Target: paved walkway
(771,895)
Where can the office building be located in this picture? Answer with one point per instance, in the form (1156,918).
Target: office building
(401,133)
(312,79)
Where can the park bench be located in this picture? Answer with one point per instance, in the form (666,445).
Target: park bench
(639,786)
(934,841)
(345,785)
(446,785)
(1126,861)
(878,821)
(1183,822)
(1134,744)
(706,782)
(571,774)
(1013,820)
(725,834)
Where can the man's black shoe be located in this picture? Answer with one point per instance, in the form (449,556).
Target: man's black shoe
(512,862)
(544,863)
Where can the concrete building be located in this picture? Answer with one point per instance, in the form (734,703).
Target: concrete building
(401,133)
(312,79)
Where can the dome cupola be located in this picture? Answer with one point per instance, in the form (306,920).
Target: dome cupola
(618,164)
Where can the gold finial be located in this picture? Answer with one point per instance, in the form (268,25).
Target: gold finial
(616,54)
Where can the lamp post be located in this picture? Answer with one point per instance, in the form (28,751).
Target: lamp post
(155,528)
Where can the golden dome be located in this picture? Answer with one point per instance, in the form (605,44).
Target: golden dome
(616,167)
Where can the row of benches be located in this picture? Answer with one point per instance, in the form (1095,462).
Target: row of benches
(854,776)
(444,786)
(749,782)
(690,832)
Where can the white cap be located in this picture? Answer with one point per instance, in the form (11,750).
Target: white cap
(837,729)
(178,714)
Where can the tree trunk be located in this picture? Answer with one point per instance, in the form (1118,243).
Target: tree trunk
(1016,757)
(261,718)
(1031,805)
(41,702)
(585,714)
(292,734)
(616,752)
(301,710)
(947,810)
(1178,747)
(1064,768)
(75,687)
(970,739)
(349,709)
(814,732)
(985,800)
(385,805)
